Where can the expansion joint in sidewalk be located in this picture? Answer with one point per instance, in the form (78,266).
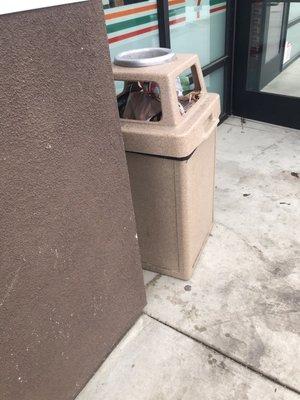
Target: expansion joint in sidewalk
(230,357)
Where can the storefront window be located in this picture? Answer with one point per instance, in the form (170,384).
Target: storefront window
(293,39)
(293,33)
(215,83)
(198,26)
(131,24)
(294,12)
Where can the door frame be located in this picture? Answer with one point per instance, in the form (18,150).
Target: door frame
(272,108)
(271,68)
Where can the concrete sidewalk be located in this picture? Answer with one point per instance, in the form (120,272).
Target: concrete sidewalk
(232,331)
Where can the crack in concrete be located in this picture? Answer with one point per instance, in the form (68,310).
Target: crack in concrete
(266,263)
(253,248)
(232,358)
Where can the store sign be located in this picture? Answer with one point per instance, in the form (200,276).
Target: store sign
(12,6)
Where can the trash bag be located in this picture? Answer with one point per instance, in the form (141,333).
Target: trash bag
(140,101)
(122,98)
(142,106)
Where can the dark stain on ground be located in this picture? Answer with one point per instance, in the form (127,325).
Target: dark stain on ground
(200,329)
(214,362)
(246,194)
(256,347)
(283,269)
(283,202)
(234,342)
(222,365)
(277,271)
(211,360)
(295,174)
(188,288)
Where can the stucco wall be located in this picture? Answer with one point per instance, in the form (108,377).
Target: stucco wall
(71,282)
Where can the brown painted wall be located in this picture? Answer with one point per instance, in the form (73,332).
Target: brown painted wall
(71,282)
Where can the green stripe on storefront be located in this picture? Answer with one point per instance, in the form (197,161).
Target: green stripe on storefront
(176,11)
(132,23)
(216,2)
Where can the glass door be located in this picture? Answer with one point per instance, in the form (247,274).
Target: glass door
(267,66)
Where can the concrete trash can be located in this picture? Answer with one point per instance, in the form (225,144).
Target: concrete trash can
(171,166)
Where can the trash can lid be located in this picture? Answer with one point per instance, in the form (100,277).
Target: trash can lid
(144,57)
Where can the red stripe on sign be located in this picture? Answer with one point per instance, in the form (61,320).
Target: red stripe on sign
(132,34)
(218,9)
(177,21)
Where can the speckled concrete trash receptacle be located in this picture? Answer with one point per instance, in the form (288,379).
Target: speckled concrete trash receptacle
(171,167)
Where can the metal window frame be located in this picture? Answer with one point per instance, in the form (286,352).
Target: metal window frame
(163,23)
(225,61)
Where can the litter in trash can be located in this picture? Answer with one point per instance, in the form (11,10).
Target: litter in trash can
(141,100)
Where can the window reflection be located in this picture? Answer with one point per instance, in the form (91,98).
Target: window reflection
(274,48)
(131,24)
(198,26)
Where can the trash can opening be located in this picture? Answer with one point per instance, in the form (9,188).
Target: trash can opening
(188,89)
(139,100)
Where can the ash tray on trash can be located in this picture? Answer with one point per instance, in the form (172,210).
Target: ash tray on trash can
(144,57)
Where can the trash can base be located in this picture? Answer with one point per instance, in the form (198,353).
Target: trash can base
(173,205)
(186,272)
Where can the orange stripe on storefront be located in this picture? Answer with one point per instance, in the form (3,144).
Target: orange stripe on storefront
(172,2)
(141,31)
(136,10)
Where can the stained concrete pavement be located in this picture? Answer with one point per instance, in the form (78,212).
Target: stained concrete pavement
(232,331)
(155,362)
